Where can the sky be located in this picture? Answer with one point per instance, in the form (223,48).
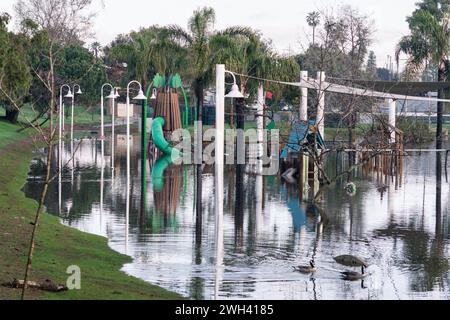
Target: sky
(282,21)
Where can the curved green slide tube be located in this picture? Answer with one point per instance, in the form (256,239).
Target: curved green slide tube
(158,172)
(159,140)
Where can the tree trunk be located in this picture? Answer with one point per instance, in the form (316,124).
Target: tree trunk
(199,96)
(314,36)
(12,115)
(36,219)
(440,109)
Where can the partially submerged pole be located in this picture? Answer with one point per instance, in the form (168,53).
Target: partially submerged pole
(320,120)
(392,118)
(260,128)
(219,166)
(304,97)
(219,143)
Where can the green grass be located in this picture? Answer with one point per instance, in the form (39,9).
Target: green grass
(82,115)
(9,134)
(57,246)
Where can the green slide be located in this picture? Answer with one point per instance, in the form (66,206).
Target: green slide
(159,140)
(158,172)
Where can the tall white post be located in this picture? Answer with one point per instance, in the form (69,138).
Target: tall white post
(320,120)
(60,134)
(102,178)
(219,166)
(260,127)
(113,134)
(304,97)
(128,143)
(63,118)
(127,209)
(71,118)
(392,118)
(102,133)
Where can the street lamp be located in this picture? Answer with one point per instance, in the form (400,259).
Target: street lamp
(61,115)
(234,93)
(153,97)
(73,105)
(219,151)
(113,96)
(140,96)
(68,95)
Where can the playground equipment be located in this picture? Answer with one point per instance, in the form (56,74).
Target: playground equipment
(159,140)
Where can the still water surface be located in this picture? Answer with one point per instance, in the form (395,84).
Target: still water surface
(401,230)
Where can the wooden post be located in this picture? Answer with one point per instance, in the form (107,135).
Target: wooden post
(392,119)
(320,120)
(303,97)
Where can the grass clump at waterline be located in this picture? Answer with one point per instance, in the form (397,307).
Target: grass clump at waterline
(57,246)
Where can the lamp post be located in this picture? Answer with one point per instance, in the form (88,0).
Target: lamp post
(113,133)
(102,133)
(61,115)
(71,124)
(68,95)
(140,96)
(219,165)
(73,106)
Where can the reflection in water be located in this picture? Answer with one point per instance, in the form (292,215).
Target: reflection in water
(401,229)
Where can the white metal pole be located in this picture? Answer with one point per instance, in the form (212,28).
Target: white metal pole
(304,97)
(113,139)
(128,140)
(63,118)
(60,154)
(127,213)
(260,127)
(102,186)
(71,132)
(102,133)
(320,121)
(71,118)
(219,166)
(60,131)
(392,118)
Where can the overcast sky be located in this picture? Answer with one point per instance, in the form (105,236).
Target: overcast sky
(283,21)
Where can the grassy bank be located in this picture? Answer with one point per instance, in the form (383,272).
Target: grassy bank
(82,115)
(57,246)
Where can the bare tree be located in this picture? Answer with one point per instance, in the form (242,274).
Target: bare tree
(55,24)
(64,20)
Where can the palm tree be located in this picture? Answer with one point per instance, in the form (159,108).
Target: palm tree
(429,42)
(96,48)
(197,40)
(147,51)
(253,56)
(313,19)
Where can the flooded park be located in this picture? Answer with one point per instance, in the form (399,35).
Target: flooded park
(205,156)
(398,225)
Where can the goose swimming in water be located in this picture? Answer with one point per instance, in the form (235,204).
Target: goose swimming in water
(353,276)
(306,269)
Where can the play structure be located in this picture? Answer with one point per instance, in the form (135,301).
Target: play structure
(305,134)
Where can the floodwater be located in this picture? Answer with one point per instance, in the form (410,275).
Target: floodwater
(401,229)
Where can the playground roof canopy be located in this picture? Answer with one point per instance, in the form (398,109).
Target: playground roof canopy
(300,135)
(402,88)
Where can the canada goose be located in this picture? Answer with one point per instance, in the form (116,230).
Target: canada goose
(351,261)
(306,269)
(382,188)
(353,276)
